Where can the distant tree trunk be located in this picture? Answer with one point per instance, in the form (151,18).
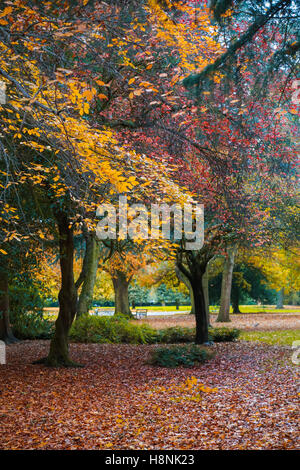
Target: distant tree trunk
(67,297)
(294,298)
(280,297)
(235,297)
(121,285)
(6,334)
(226,286)
(88,274)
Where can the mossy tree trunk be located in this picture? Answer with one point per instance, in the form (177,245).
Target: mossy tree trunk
(67,297)
(121,284)
(88,274)
(223,315)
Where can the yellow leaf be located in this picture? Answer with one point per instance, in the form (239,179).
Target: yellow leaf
(6,11)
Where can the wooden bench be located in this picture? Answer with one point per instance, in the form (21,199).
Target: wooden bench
(140,313)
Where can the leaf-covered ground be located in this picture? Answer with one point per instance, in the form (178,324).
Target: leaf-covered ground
(119,402)
(250,321)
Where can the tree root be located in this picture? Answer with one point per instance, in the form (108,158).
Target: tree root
(57,362)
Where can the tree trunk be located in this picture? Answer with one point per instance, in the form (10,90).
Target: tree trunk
(187,283)
(206,293)
(88,275)
(6,333)
(192,312)
(195,277)
(67,297)
(235,297)
(200,310)
(121,284)
(280,297)
(226,286)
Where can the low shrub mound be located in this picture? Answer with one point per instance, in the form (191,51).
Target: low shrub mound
(179,334)
(219,335)
(176,334)
(174,356)
(119,329)
(116,329)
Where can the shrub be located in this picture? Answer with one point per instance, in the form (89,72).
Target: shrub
(116,329)
(119,329)
(175,356)
(26,309)
(219,335)
(31,325)
(176,334)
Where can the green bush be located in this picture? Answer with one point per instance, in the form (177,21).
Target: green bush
(175,356)
(116,329)
(219,335)
(26,309)
(31,325)
(176,334)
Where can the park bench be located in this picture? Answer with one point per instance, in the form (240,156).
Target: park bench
(102,313)
(140,313)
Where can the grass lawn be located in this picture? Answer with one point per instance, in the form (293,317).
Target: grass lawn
(243,308)
(268,309)
(282,337)
(52,311)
